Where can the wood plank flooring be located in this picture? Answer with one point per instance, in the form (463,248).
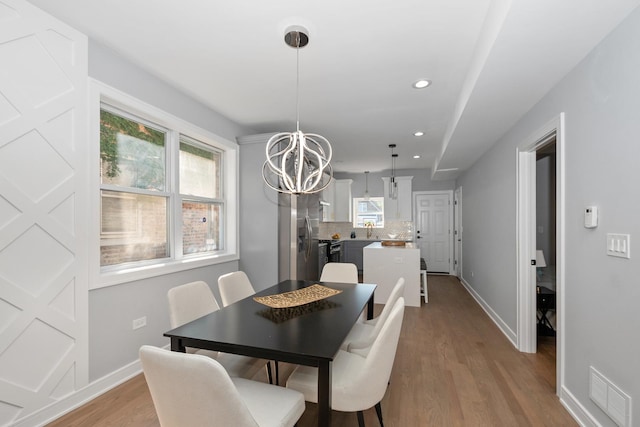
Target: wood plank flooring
(453,368)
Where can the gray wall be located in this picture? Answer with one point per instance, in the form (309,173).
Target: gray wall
(258,219)
(112,342)
(601,99)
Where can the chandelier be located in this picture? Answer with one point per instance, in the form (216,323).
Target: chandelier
(297,163)
(393,185)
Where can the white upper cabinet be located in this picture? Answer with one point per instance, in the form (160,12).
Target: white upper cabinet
(398,209)
(338,194)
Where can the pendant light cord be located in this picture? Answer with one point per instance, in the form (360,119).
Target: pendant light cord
(298,82)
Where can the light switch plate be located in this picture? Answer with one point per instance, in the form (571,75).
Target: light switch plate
(619,245)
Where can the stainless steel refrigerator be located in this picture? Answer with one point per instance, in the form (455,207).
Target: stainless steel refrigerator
(298,223)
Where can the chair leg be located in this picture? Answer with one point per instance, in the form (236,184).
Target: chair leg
(269,372)
(379,412)
(360,419)
(277,373)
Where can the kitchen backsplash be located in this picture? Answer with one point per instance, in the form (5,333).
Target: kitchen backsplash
(403,230)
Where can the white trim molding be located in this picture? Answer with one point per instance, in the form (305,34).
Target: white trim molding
(577,411)
(501,324)
(526,239)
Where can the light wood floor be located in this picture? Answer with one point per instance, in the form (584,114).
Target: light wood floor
(453,368)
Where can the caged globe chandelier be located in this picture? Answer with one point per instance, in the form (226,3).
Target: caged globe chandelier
(297,163)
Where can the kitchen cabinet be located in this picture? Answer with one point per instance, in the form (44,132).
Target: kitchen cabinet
(338,194)
(328,210)
(352,252)
(399,209)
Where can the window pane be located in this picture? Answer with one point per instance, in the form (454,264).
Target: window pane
(199,170)
(131,154)
(368,212)
(133,228)
(201,225)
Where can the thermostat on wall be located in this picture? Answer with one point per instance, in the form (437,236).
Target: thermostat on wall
(591,217)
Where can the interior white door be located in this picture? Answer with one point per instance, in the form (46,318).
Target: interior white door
(433,229)
(43,262)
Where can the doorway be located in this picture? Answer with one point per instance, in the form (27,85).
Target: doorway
(433,219)
(541,242)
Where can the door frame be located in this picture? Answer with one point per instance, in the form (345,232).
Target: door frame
(526,239)
(449,193)
(457,232)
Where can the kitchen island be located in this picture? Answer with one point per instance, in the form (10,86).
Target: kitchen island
(384,265)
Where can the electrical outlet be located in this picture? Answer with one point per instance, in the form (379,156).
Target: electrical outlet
(139,323)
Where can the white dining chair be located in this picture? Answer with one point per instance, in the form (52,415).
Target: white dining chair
(233,287)
(195,390)
(340,272)
(357,382)
(195,299)
(364,332)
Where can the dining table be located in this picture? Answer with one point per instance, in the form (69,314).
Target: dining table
(307,334)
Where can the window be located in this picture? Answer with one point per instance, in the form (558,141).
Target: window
(134,201)
(167,198)
(200,193)
(367,212)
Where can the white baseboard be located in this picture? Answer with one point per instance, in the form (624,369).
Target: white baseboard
(577,411)
(81,397)
(511,335)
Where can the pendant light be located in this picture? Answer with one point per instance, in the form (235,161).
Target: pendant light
(297,163)
(393,185)
(366,180)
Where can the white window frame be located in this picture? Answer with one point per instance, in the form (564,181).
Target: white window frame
(102,277)
(355,201)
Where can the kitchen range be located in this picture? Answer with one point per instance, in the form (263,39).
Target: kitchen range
(335,251)
(329,250)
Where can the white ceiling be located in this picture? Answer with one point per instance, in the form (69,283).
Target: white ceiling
(490,61)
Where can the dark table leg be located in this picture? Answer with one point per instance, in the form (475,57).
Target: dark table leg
(324,393)
(176,345)
(370,308)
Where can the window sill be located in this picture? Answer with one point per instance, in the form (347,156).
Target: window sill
(119,277)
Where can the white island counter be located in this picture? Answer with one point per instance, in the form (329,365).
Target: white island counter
(384,265)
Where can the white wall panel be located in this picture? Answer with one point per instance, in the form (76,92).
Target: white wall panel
(43,266)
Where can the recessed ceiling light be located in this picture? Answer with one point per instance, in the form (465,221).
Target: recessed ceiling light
(418,133)
(421,84)
(416,156)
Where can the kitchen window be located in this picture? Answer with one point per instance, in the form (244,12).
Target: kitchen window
(368,212)
(167,198)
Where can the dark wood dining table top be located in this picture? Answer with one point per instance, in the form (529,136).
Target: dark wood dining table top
(303,334)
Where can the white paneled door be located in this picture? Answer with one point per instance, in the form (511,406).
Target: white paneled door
(433,229)
(43,261)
